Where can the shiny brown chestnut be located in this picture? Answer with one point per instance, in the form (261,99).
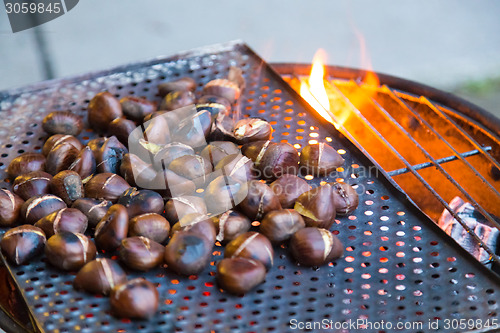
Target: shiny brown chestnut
(102,110)
(141,253)
(135,299)
(168,183)
(252,129)
(69,251)
(177,207)
(345,198)
(278,159)
(251,245)
(110,156)
(236,166)
(10,208)
(315,246)
(95,145)
(259,201)
(288,188)
(192,167)
(229,225)
(60,158)
(217,150)
(150,225)
(99,276)
(223,88)
(280,225)
(93,209)
(187,253)
(172,118)
(57,139)
(132,166)
(20,244)
(154,131)
(198,224)
(177,99)
(255,150)
(181,84)
(112,228)
(320,159)
(40,206)
(121,128)
(62,122)
(140,202)
(216,105)
(168,153)
(107,186)
(316,207)
(224,193)
(26,163)
(68,186)
(222,128)
(84,164)
(32,184)
(240,275)
(194,130)
(66,219)
(136,108)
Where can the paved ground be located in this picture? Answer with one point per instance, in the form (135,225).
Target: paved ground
(445,44)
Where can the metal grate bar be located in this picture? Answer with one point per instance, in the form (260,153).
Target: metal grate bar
(493,256)
(440,161)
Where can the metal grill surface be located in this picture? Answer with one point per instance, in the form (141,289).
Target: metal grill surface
(398,265)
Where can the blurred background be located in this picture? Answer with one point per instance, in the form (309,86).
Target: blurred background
(452,45)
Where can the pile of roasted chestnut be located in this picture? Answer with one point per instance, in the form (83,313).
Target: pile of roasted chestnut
(189,182)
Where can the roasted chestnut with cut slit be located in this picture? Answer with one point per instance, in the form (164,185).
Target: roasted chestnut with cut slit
(62,122)
(315,246)
(68,186)
(95,145)
(177,99)
(181,84)
(168,183)
(132,166)
(93,209)
(107,186)
(316,206)
(99,276)
(177,207)
(20,244)
(32,184)
(230,224)
(110,156)
(136,299)
(40,206)
(102,110)
(26,163)
(240,275)
(288,188)
(280,225)
(136,108)
(196,223)
(215,151)
(187,253)
(259,201)
(256,150)
(69,251)
(237,166)
(10,208)
(122,128)
(112,228)
(251,245)
(141,253)
(150,225)
(216,105)
(140,202)
(320,159)
(60,158)
(194,130)
(192,167)
(345,198)
(57,139)
(224,193)
(252,129)
(171,117)
(222,128)
(278,159)
(84,164)
(66,219)
(223,88)
(156,131)
(168,153)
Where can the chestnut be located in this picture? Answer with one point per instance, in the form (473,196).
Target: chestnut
(252,129)
(181,84)
(345,198)
(217,150)
(67,185)
(40,206)
(136,108)
(320,159)
(171,117)
(99,276)
(66,219)
(95,145)
(60,158)
(122,128)
(135,299)
(224,193)
(198,224)
(20,244)
(69,251)
(187,253)
(168,183)
(26,163)
(57,139)
(255,150)
(110,156)
(170,152)
(133,166)
(278,159)
(214,104)
(315,246)
(10,208)
(141,253)
(177,99)
(316,207)
(140,202)
(251,245)
(193,130)
(150,225)
(62,122)
(178,207)
(32,184)
(223,88)
(102,110)
(84,164)
(280,225)
(93,209)
(288,188)
(229,225)
(112,228)
(192,167)
(107,186)
(222,128)
(237,166)
(154,131)
(240,275)
(259,201)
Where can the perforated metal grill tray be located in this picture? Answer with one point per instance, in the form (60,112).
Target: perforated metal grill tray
(398,265)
